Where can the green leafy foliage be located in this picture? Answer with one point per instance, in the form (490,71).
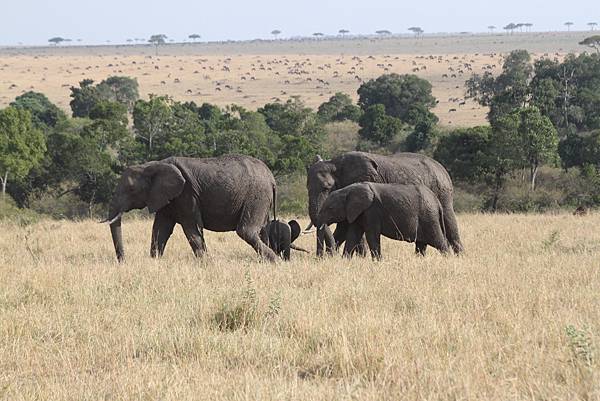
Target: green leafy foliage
(399,94)
(122,90)
(43,112)
(22,145)
(339,107)
(377,126)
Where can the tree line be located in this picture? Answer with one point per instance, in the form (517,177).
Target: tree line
(541,113)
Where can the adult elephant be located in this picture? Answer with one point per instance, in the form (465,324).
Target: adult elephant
(324,176)
(228,193)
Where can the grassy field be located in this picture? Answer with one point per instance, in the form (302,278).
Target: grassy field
(254,73)
(517,317)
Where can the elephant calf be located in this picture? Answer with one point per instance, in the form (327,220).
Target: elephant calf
(279,236)
(409,213)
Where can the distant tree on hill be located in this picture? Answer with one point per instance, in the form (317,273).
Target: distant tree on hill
(343,32)
(569,24)
(56,40)
(194,37)
(528,25)
(383,32)
(593,42)
(157,40)
(491,28)
(592,25)
(510,28)
(318,34)
(416,30)
(275,33)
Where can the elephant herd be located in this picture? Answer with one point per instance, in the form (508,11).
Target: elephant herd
(406,197)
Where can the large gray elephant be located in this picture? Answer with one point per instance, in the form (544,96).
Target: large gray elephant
(410,213)
(228,193)
(325,176)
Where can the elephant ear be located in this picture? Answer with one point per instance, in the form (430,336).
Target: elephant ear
(295,229)
(166,183)
(358,200)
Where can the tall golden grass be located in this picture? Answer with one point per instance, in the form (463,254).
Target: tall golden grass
(517,317)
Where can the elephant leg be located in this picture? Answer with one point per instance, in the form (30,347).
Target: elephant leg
(361,248)
(325,239)
(195,237)
(250,235)
(420,248)
(438,240)
(161,231)
(354,235)
(286,253)
(373,235)
(451,226)
(340,233)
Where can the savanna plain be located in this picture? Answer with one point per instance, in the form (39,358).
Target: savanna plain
(516,317)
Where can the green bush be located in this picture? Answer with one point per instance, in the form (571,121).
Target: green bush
(10,212)
(292,197)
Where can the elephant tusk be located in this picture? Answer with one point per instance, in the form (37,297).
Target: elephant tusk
(308,232)
(309,226)
(322,226)
(117,217)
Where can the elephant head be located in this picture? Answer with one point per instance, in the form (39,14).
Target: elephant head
(346,204)
(325,176)
(153,184)
(320,181)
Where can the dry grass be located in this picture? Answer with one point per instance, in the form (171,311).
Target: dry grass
(517,317)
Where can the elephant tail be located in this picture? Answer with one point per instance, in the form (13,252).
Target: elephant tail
(441,215)
(274,202)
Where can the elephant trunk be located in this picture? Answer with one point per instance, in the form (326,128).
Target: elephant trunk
(117,234)
(324,236)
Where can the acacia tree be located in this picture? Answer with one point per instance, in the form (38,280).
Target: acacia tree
(343,32)
(416,30)
(22,146)
(510,28)
(592,25)
(491,28)
(157,40)
(194,37)
(56,40)
(569,24)
(275,33)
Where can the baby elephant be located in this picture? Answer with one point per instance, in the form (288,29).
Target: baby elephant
(279,236)
(409,213)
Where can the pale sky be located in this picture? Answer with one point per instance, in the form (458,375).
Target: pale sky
(33,22)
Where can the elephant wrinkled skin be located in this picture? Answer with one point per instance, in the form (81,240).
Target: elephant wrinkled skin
(325,176)
(410,213)
(228,193)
